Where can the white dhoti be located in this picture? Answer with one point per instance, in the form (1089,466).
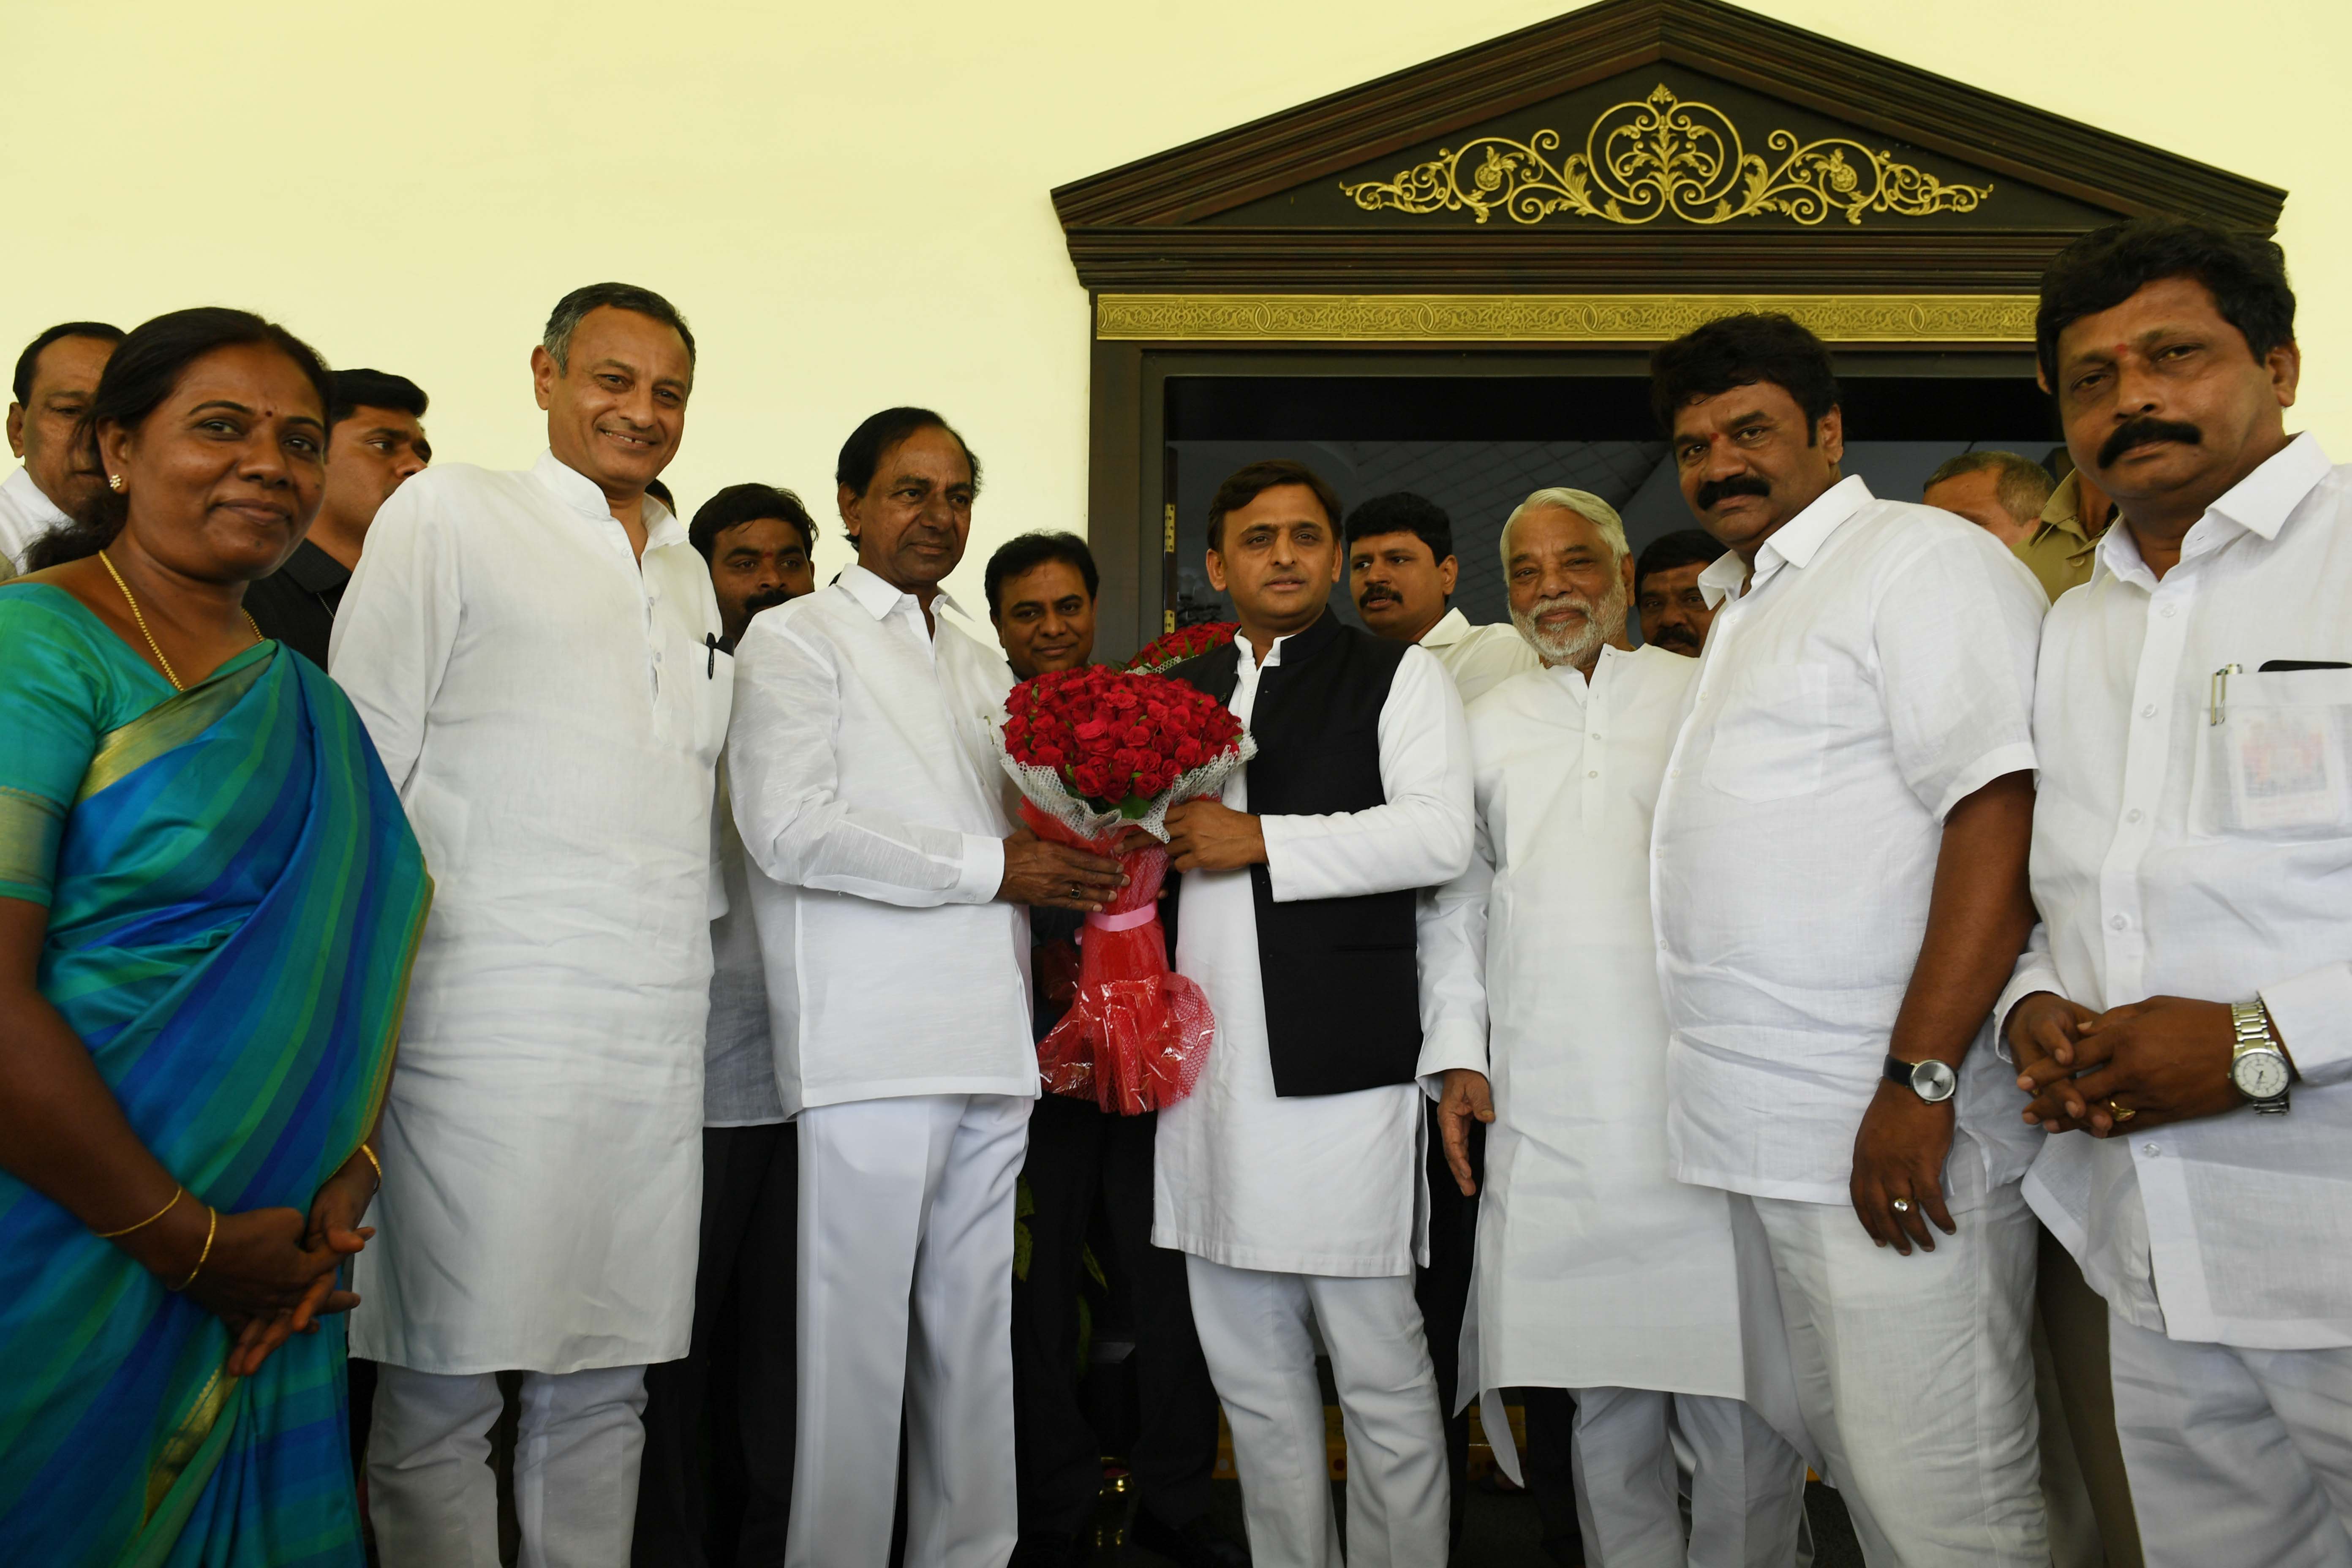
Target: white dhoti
(1255,1330)
(1915,1375)
(905,1300)
(432,1497)
(1746,1484)
(2235,1455)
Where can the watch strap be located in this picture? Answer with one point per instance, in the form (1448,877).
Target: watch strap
(2249,1023)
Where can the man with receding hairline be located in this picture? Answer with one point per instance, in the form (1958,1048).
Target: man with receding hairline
(533,655)
(2000,492)
(56,377)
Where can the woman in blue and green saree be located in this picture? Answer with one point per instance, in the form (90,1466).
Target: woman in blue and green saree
(208,901)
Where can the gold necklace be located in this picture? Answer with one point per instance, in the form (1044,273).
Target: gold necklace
(140,622)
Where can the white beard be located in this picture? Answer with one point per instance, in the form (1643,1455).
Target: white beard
(1604,622)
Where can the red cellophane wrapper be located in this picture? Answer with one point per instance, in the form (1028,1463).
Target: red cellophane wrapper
(1137,1033)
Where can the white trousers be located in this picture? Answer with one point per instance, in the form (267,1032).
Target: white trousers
(1255,1333)
(1746,1484)
(2235,1455)
(1916,1376)
(431,1493)
(905,1302)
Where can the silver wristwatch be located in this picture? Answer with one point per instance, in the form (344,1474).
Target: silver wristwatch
(1931,1081)
(2257,1066)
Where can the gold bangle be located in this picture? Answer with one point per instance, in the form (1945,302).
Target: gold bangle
(376,1162)
(177,1193)
(211,1230)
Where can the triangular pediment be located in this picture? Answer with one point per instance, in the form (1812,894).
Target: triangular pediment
(1631,136)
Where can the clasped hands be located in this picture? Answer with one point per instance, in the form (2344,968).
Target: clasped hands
(267,1274)
(2130,1069)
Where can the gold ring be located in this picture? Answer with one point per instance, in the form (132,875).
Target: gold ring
(2122,1113)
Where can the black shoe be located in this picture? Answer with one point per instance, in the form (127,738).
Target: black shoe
(1199,1544)
(1051,1551)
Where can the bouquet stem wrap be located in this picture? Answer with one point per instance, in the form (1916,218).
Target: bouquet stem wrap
(1137,1033)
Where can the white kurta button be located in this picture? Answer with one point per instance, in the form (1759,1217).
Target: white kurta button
(2133,815)
(2169,609)
(2149,711)
(2118,922)
(2151,1149)
(1593,772)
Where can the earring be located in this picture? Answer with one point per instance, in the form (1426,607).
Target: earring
(114,482)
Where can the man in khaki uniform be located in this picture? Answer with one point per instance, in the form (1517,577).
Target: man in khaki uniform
(2058,552)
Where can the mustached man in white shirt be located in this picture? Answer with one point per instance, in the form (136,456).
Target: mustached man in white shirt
(1402,573)
(534,656)
(1597,1270)
(2184,1015)
(1839,888)
(1291,1177)
(56,377)
(887,881)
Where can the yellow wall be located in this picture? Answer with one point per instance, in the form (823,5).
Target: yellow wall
(849,199)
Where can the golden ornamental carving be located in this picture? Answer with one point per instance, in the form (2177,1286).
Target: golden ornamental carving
(1660,156)
(1552,317)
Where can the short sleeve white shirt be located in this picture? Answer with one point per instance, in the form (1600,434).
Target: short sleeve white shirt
(26,514)
(1876,670)
(2176,855)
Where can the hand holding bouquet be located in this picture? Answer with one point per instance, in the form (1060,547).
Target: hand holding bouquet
(1098,753)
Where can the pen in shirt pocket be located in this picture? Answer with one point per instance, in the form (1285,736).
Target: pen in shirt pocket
(710,668)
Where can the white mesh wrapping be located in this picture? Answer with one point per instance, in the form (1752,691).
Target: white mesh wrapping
(1044,789)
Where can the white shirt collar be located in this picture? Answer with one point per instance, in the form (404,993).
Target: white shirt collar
(586,496)
(1794,543)
(33,500)
(1451,628)
(880,598)
(2259,504)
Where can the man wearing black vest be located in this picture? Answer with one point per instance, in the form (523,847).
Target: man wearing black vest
(1290,1177)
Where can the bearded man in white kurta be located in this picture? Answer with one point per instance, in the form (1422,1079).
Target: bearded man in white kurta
(1596,1270)
(528,652)
(1291,1176)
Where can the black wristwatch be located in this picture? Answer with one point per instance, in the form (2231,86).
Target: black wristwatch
(1931,1081)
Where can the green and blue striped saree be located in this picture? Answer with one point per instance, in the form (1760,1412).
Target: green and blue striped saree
(234,901)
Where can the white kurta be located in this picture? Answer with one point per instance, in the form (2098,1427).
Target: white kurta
(1478,657)
(25,514)
(1595,1267)
(1312,1184)
(874,812)
(553,717)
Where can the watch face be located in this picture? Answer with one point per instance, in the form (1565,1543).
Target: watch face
(2260,1075)
(1934,1081)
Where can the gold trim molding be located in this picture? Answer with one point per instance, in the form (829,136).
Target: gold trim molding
(1552,317)
(1662,157)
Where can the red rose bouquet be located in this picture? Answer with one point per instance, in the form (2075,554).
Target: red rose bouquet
(1185,642)
(1096,751)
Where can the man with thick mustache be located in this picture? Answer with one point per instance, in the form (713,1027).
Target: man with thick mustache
(1290,1176)
(1838,884)
(531,653)
(2184,1013)
(1538,976)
